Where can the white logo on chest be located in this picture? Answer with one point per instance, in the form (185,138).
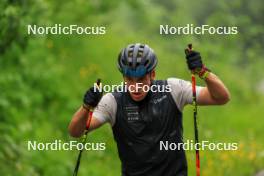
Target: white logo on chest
(132,113)
(158,100)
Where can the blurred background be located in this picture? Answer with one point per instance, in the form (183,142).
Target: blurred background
(43,78)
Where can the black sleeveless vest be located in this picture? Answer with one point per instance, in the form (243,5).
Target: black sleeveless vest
(138,130)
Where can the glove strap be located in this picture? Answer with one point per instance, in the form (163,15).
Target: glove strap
(86,107)
(204,72)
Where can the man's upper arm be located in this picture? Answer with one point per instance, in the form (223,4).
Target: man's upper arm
(106,109)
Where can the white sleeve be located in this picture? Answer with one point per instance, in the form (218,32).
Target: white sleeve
(181,92)
(106,109)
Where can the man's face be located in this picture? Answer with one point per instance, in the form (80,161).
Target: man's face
(136,85)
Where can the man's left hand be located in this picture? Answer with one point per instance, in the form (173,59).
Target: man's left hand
(194,61)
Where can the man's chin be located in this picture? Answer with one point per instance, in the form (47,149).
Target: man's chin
(137,97)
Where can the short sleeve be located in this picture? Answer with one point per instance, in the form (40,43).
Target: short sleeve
(106,109)
(181,92)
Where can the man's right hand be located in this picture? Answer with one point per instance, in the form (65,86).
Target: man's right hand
(92,97)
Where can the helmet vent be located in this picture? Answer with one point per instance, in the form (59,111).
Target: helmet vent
(130,53)
(140,54)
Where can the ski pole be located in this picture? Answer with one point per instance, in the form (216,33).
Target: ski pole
(197,156)
(88,123)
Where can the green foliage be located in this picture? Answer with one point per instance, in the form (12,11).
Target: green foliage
(43,78)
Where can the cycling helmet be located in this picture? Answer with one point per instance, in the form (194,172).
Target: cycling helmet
(136,60)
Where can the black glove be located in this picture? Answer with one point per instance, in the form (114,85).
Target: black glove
(92,97)
(194,60)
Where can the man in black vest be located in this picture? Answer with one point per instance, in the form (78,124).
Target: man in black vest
(149,112)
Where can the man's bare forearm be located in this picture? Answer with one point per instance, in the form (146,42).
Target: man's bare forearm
(78,122)
(217,89)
